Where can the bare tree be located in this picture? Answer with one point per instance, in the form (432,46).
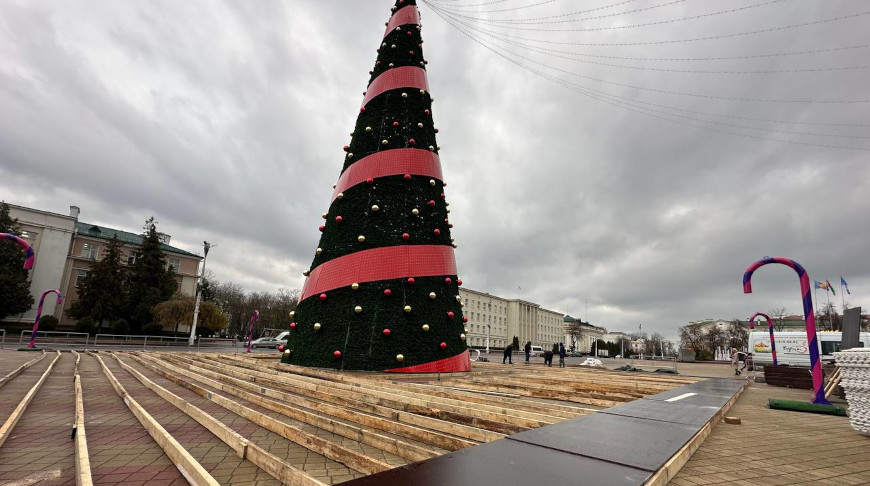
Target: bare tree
(737,335)
(692,337)
(777,315)
(714,338)
(577,334)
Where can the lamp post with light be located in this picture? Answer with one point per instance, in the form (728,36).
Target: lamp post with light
(206,247)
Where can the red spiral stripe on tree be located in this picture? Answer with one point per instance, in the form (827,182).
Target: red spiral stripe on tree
(458,363)
(400,77)
(403,16)
(385,263)
(389,163)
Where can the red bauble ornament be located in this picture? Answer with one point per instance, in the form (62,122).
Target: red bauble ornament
(458,281)
(437,231)
(281,348)
(386,332)
(443,345)
(411,142)
(450,225)
(405,236)
(426,111)
(362,110)
(321,227)
(411,280)
(432,203)
(443,196)
(338,219)
(322,296)
(407,177)
(411,52)
(292,325)
(450,315)
(464,318)
(336,353)
(395,124)
(345,148)
(370,180)
(388,292)
(448,281)
(436,130)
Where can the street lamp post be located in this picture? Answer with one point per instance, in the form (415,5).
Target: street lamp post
(206,246)
(488,327)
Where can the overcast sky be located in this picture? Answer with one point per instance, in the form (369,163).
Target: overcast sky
(619,181)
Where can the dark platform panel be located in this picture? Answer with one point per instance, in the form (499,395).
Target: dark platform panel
(622,445)
(505,462)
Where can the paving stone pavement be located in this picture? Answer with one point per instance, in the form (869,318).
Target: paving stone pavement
(13,359)
(11,393)
(40,443)
(216,457)
(121,450)
(778,447)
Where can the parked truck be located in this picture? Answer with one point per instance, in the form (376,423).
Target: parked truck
(792,348)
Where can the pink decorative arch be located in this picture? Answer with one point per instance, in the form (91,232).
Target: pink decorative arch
(28,250)
(39,313)
(807,300)
(769,327)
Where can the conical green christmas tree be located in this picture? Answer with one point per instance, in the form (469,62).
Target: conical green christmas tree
(382,293)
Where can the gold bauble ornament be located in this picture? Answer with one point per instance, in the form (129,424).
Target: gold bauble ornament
(316,326)
(407,308)
(400,358)
(354,286)
(357,309)
(426,327)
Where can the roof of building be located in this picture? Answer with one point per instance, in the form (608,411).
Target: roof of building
(95,231)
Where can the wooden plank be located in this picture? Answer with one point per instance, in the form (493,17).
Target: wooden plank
(387,424)
(370,437)
(83,462)
(17,371)
(678,460)
(337,452)
(278,469)
(6,429)
(386,390)
(189,467)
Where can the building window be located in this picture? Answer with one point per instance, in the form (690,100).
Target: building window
(28,235)
(80,277)
(131,258)
(90,251)
(175,265)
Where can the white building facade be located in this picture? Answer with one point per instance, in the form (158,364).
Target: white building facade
(501,319)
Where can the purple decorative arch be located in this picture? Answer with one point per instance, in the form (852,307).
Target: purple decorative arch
(29,255)
(255,317)
(809,317)
(39,313)
(769,327)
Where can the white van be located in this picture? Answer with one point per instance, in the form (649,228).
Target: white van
(792,348)
(283,336)
(536,351)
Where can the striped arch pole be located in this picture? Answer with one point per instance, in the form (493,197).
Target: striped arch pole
(769,327)
(28,250)
(255,317)
(809,317)
(39,313)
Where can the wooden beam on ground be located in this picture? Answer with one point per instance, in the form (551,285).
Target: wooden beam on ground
(6,428)
(421,416)
(189,467)
(83,462)
(387,390)
(366,436)
(17,371)
(78,359)
(343,411)
(337,452)
(277,468)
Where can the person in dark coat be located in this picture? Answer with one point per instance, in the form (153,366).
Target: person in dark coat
(528,350)
(508,350)
(561,355)
(548,358)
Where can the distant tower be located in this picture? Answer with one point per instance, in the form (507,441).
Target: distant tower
(382,293)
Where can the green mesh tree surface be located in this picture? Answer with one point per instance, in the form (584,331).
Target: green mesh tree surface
(382,293)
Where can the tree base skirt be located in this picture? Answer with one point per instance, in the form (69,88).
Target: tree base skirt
(456,364)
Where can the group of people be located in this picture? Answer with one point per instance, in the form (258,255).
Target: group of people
(738,357)
(558,350)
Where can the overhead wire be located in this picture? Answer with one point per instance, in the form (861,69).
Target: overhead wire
(631,105)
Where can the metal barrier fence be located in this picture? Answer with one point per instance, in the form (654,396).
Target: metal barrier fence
(640,360)
(56,338)
(202,342)
(141,341)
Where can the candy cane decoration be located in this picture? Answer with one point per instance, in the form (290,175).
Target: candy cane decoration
(39,313)
(769,327)
(809,317)
(255,317)
(28,250)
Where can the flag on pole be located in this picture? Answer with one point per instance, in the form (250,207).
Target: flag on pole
(820,285)
(845,285)
(830,287)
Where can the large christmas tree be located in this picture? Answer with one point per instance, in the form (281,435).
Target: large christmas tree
(382,293)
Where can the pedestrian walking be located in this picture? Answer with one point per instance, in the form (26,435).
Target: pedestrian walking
(508,350)
(528,349)
(735,361)
(561,355)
